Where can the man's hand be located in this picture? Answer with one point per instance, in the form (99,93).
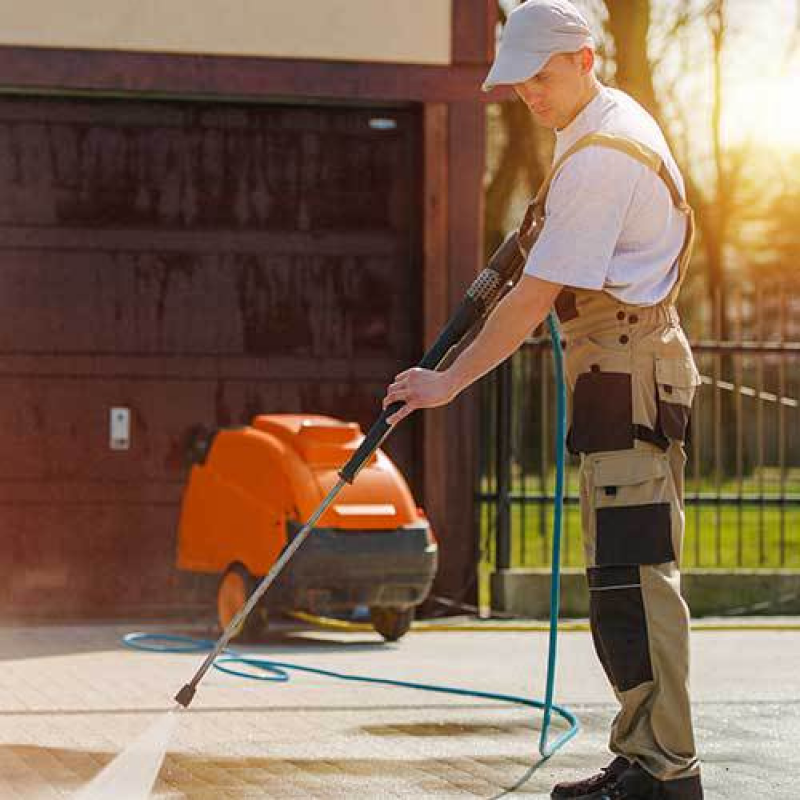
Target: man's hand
(418,388)
(519,312)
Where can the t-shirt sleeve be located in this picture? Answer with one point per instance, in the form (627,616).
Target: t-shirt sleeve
(584,215)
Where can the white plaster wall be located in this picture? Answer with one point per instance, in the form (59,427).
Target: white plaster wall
(403,31)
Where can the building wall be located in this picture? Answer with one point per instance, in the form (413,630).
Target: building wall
(197,264)
(343,30)
(434,91)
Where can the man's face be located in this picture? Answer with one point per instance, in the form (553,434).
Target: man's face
(555,93)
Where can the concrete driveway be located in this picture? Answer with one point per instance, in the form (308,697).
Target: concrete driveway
(71,698)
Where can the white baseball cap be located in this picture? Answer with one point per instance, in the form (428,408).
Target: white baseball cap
(535,31)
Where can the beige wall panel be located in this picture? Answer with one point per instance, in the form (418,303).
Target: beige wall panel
(405,31)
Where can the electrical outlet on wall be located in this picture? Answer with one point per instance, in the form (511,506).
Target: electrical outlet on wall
(120,433)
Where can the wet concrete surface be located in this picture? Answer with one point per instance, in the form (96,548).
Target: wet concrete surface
(71,698)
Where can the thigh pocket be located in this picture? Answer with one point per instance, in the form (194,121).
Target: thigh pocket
(676,383)
(602,412)
(619,625)
(633,507)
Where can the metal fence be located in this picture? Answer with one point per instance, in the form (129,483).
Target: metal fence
(743,474)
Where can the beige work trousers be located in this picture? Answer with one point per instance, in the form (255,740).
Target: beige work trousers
(631,380)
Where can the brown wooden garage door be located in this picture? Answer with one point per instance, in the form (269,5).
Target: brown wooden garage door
(195,264)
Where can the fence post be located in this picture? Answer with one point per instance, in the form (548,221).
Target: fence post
(503,427)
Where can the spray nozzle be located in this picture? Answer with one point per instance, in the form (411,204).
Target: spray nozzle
(185,695)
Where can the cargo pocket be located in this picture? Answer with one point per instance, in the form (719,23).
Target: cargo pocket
(676,383)
(566,305)
(619,625)
(602,413)
(632,500)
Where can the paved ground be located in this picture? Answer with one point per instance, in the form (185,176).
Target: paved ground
(71,698)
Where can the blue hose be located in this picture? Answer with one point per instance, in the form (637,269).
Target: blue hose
(545,749)
(278,671)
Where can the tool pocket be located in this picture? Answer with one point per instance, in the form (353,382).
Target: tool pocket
(619,625)
(566,305)
(602,412)
(676,383)
(633,499)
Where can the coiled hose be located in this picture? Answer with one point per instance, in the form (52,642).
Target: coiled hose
(278,671)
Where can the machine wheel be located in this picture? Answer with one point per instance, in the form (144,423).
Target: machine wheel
(236,586)
(391,623)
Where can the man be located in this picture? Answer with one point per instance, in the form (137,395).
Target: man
(608,240)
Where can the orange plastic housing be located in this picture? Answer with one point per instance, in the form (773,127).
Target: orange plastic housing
(256,479)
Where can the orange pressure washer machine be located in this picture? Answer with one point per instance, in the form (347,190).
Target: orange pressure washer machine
(250,490)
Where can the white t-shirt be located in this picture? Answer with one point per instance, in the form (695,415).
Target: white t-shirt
(610,220)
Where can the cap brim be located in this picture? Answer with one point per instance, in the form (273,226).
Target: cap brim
(513,66)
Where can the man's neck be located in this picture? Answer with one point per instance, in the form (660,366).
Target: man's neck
(591,91)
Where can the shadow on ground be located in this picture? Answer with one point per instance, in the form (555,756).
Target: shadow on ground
(59,640)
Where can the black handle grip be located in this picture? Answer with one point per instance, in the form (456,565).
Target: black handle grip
(504,266)
(465,317)
(509,259)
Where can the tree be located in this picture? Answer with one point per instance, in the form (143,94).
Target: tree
(519,167)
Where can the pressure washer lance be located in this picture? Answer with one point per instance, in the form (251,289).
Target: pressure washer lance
(502,272)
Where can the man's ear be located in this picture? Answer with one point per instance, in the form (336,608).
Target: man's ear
(587,60)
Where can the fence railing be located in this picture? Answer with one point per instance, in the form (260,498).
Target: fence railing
(743,474)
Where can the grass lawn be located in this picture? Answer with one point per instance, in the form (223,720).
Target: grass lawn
(727,536)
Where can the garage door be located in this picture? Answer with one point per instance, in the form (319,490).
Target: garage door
(189,264)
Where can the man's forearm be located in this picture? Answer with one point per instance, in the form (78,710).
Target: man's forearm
(517,314)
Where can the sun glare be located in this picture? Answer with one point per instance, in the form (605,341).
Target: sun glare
(765,112)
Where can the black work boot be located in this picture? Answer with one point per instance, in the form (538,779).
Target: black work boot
(634,783)
(592,788)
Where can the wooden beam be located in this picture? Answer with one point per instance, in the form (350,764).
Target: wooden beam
(457,529)
(474,23)
(63,71)
(435,220)
(436,302)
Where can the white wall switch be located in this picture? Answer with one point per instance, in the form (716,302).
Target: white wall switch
(120,429)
